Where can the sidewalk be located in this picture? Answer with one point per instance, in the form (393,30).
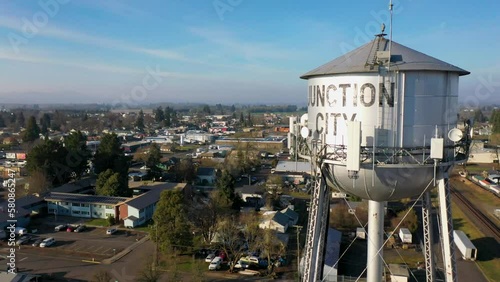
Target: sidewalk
(125,251)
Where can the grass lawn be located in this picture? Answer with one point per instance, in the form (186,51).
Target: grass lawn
(300,195)
(98,222)
(487,248)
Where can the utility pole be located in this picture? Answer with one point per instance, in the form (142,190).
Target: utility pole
(298,228)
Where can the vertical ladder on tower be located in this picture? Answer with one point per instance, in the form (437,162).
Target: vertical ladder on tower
(427,226)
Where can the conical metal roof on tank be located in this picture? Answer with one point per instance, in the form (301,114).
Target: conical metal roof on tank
(363,59)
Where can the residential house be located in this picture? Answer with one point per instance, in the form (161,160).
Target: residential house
(139,210)
(206,175)
(252,195)
(274,220)
(292,216)
(80,205)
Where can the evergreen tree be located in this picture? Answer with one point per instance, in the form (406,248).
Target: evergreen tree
(2,122)
(225,185)
(172,230)
(159,115)
(153,160)
(233,109)
(13,118)
(495,121)
(20,119)
(242,118)
(109,155)
(249,120)
(78,153)
(168,117)
(139,123)
(49,158)
(32,131)
(108,183)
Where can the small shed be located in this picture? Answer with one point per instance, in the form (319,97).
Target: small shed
(399,273)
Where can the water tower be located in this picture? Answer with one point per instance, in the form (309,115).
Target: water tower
(381,125)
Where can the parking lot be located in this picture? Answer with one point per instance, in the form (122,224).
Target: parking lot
(92,243)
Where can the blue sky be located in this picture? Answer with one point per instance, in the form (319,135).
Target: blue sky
(223,51)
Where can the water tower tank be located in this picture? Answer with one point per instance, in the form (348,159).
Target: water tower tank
(400,106)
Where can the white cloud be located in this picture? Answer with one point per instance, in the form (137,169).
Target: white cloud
(99,41)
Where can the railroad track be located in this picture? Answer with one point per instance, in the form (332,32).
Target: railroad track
(490,228)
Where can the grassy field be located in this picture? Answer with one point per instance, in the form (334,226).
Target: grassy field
(98,222)
(488,249)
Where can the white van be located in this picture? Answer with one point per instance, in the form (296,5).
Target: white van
(215,264)
(47,242)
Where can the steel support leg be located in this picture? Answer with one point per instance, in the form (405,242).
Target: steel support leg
(375,241)
(447,228)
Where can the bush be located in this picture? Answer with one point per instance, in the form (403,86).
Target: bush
(111,220)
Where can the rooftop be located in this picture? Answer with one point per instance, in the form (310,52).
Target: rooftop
(153,195)
(402,59)
(80,198)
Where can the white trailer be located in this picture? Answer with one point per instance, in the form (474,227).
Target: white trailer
(405,235)
(360,233)
(468,250)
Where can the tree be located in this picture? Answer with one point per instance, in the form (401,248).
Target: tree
(32,131)
(21,120)
(110,220)
(205,216)
(410,221)
(153,160)
(139,122)
(78,153)
(45,123)
(231,240)
(495,121)
(478,116)
(2,122)
(271,246)
(49,157)
(171,223)
(109,155)
(159,115)
(340,218)
(38,183)
(108,183)
(149,273)
(168,117)
(102,276)
(249,120)
(225,185)
(206,109)
(185,171)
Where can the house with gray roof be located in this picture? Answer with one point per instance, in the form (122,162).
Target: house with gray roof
(292,216)
(274,220)
(81,205)
(138,210)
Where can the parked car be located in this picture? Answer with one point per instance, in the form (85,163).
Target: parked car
(70,228)
(80,228)
(21,231)
(60,227)
(37,242)
(23,240)
(215,264)
(47,242)
(210,257)
(111,230)
(241,265)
